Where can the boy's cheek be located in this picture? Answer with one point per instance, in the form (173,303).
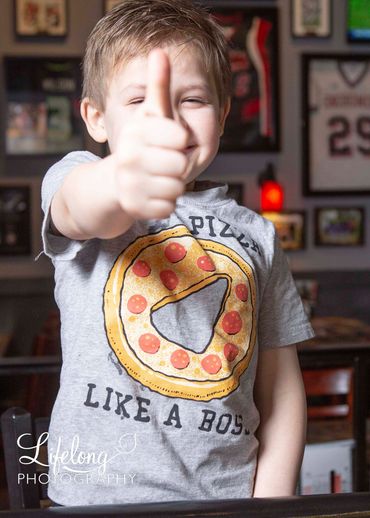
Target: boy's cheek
(205,124)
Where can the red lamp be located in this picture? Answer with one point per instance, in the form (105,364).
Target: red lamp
(272,192)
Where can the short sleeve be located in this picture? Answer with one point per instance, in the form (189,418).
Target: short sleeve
(60,247)
(282,319)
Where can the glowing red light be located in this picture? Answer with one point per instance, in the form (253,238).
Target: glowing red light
(272,196)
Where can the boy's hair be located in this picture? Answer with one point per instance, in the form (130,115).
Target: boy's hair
(134,27)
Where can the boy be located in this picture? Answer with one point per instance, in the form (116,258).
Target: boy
(169,291)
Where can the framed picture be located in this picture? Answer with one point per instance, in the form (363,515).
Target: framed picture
(109,4)
(290,227)
(339,226)
(308,291)
(311,18)
(336,124)
(42,106)
(253,122)
(358,21)
(15,219)
(40,18)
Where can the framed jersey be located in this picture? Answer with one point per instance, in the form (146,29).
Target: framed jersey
(336,124)
(252,33)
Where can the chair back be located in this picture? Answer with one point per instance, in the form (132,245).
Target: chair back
(26,479)
(329,392)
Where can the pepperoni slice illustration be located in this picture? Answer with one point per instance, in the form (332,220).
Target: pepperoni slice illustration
(174,252)
(149,343)
(205,263)
(211,364)
(169,279)
(232,323)
(136,304)
(180,359)
(230,352)
(241,291)
(141,268)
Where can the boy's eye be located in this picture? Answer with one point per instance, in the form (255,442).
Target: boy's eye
(139,100)
(194,100)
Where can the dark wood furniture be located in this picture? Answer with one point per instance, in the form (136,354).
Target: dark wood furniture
(312,354)
(26,481)
(329,393)
(356,355)
(343,505)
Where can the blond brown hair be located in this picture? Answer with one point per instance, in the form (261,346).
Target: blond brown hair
(134,27)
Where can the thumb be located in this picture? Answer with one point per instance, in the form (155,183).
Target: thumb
(158,96)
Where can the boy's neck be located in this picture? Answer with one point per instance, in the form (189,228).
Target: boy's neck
(190,186)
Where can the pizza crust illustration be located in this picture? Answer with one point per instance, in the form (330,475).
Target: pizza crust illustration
(165,268)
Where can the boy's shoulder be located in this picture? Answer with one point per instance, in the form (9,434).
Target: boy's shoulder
(78,157)
(68,162)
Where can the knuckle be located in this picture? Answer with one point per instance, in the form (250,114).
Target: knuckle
(182,162)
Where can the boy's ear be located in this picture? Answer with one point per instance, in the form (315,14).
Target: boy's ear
(224,112)
(94,120)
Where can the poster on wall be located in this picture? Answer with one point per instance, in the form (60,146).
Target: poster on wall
(15,220)
(253,122)
(311,18)
(290,227)
(358,21)
(336,122)
(43,106)
(339,226)
(40,18)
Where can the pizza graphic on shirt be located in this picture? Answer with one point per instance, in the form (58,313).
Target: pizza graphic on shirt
(156,339)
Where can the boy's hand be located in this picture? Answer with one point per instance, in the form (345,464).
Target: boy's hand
(150,158)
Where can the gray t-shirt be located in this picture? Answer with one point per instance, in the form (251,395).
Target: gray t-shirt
(161,329)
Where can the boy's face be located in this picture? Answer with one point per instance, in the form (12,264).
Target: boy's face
(193,99)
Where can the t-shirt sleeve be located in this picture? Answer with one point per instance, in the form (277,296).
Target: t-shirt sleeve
(60,247)
(282,319)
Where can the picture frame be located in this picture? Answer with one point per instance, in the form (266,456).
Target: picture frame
(339,226)
(40,19)
(42,108)
(358,21)
(253,123)
(336,124)
(15,219)
(290,227)
(110,4)
(311,18)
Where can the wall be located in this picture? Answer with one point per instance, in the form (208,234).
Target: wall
(242,167)
(81,21)
(288,161)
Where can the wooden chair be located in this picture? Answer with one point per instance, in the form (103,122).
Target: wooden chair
(27,482)
(329,403)
(39,400)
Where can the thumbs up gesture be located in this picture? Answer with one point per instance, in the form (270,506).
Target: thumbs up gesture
(150,160)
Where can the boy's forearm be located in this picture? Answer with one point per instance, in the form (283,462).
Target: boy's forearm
(86,205)
(282,432)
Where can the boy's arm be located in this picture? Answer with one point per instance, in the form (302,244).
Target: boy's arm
(281,401)
(86,206)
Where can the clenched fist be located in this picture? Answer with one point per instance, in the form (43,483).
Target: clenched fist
(150,155)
